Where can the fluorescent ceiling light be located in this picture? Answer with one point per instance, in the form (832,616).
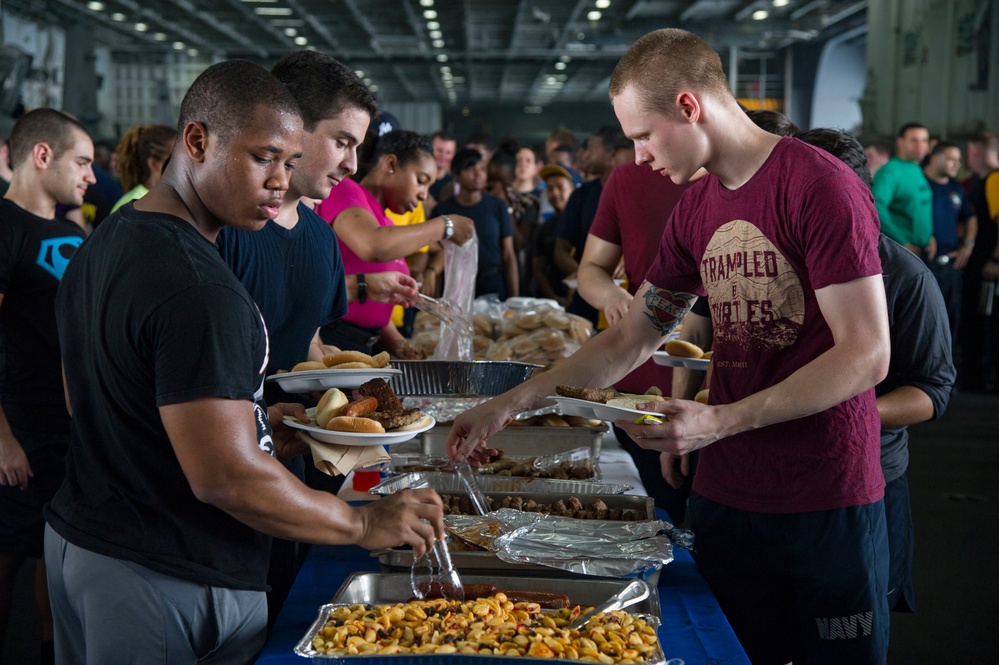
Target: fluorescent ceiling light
(95,6)
(141,27)
(760,14)
(118,16)
(427,3)
(438,43)
(290,32)
(436,34)
(179,46)
(193,52)
(373,87)
(560,66)
(272,11)
(780,3)
(433,25)
(301,41)
(442,57)
(429,14)
(602,4)
(160,36)
(565,58)
(594,15)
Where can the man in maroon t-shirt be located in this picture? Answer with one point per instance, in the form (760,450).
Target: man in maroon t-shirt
(788,498)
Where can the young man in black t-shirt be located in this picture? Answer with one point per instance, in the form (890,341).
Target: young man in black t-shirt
(158,542)
(51,155)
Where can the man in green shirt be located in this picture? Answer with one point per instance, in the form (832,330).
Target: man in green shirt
(902,195)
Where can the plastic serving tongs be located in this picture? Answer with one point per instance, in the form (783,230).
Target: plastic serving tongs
(635,592)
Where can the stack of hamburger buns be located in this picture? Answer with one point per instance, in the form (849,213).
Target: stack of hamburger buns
(375,410)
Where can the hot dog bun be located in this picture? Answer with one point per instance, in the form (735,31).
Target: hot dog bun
(341,357)
(683,349)
(355,424)
(308,366)
(330,405)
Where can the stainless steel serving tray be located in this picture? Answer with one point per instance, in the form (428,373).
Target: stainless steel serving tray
(459,377)
(523,440)
(449,482)
(645,506)
(386,588)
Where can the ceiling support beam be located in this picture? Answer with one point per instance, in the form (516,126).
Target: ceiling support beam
(216,25)
(261,23)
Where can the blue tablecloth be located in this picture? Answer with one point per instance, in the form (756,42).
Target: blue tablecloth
(693,626)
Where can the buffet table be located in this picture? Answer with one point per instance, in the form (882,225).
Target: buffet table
(693,629)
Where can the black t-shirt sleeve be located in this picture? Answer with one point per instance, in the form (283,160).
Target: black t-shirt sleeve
(506,225)
(8,255)
(208,341)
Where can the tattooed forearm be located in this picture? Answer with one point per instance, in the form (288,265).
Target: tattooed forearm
(665,309)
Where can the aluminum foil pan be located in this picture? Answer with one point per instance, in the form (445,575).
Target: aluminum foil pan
(381,588)
(449,482)
(457,377)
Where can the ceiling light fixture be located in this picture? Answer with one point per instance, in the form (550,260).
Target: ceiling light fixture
(272,11)
(193,52)
(602,4)
(118,16)
(560,66)
(426,3)
(780,3)
(442,57)
(179,46)
(436,34)
(565,58)
(141,27)
(359,73)
(433,25)
(438,43)
(160,36)
(290,32)
(594,16)
(373,87)
(301,41)
(760,14)
(95,6)
(429,14)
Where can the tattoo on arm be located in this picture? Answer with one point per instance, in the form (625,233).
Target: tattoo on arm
(665,309)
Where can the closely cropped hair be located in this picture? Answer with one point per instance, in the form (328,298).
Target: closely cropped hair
(138,144)
(404,144)
(910,125)
(323,87)
(465,158)
(611,137)
(664,62)
(225,97)
(941,146)
(774,122)
(988,140)
(42,126)
(443,135)
(563,136)
(842,146)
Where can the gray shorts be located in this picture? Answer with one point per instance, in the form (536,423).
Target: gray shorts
(108,610)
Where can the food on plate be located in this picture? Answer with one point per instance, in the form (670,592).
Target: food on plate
(355,424)
(380,390)
(492,625)
(338,359)
(683,349)
(330,406)
(308,366)
(600,395)
(708,355)
(360,407)
(702,396)
(398,418)
(631,401)
(580,421)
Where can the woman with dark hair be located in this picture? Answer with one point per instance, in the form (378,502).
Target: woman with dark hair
(142,155)
(402,169)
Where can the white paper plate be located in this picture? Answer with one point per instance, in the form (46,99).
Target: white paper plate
(570,406)
(663,358)
(355,438)
(324,379)
(574,283)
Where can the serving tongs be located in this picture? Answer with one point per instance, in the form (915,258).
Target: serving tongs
(467,477)
(422,575)
(635,592)
(447,312)
(543,411)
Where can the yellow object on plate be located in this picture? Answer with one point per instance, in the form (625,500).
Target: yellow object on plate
(649,420)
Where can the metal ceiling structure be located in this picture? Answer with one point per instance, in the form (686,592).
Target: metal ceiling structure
(455,52)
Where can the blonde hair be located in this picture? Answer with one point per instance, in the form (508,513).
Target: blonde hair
(135,148)
(664,62)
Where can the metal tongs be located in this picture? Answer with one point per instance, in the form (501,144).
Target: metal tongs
(422,576)
(635,592)
(440,309)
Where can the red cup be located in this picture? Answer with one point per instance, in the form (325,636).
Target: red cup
(365,479)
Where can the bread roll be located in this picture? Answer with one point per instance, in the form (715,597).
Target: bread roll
(707,355)
(683,349)
(341,357)
(579,421)
(330,405)
(351,365)
(419,424)
(702,396)
(380,360)
(355,424)
(308,366)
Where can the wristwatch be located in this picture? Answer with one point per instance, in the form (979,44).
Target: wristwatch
(362,289)
(448,227)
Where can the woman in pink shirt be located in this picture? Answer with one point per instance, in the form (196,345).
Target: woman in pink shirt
(369,242)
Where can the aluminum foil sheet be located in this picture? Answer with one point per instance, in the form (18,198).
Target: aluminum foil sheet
(586,547)
(443,408)
(576,464)
(449,482)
